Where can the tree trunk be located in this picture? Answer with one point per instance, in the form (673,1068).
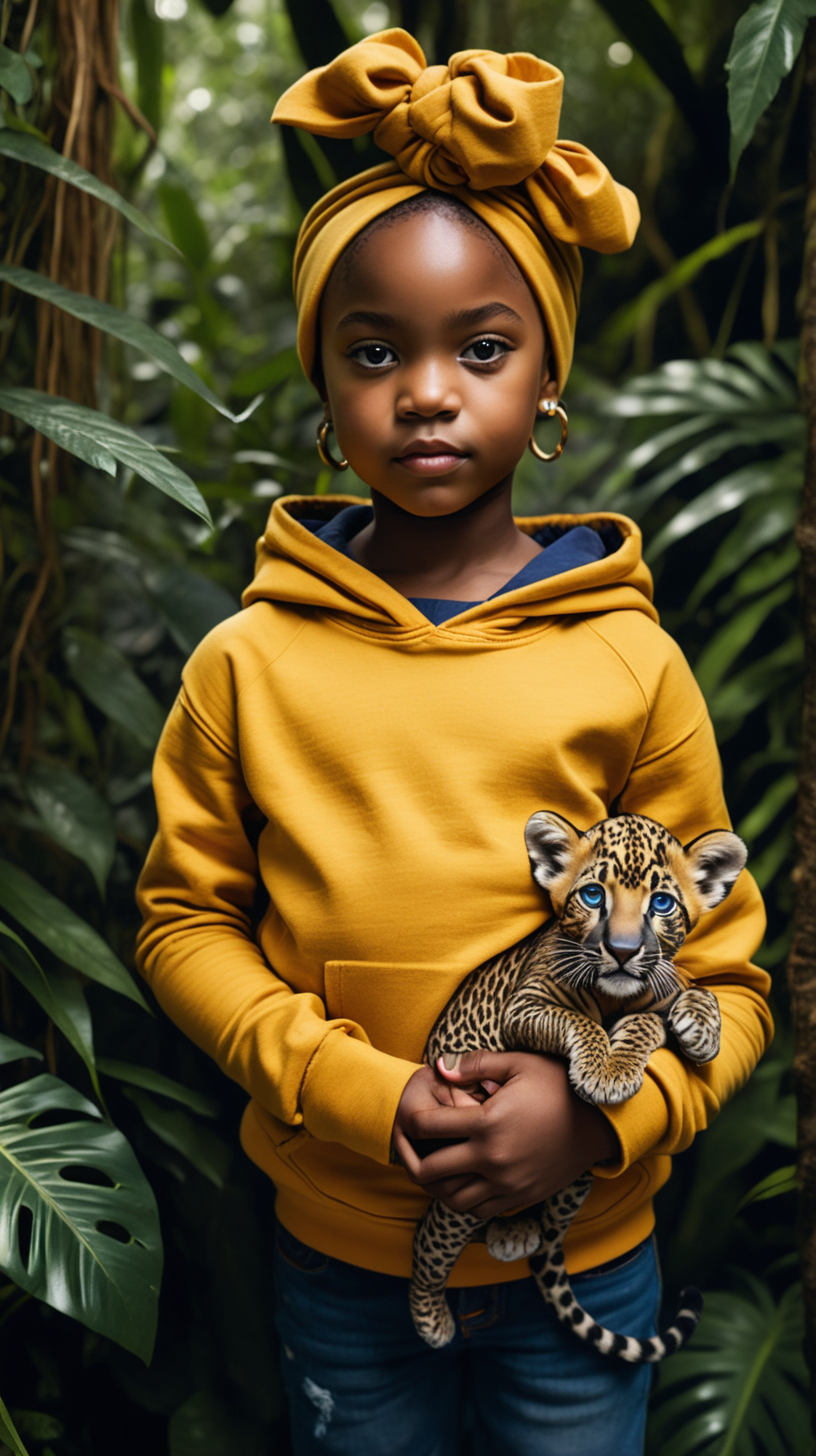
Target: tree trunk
(802,962)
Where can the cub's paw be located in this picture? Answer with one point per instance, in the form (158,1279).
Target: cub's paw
(432,1318)
(618,1084)
(695,1021)
(511,1239)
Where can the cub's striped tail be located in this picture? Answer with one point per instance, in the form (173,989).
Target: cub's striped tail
(553,1281)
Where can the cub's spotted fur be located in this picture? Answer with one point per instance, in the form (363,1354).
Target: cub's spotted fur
(596,985)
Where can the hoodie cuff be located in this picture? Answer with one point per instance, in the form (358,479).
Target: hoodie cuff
(641,1123)
(351,1093)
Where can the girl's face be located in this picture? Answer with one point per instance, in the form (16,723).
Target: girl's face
(434,359)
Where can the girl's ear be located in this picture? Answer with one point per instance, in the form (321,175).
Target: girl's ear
(715,860)
(551,844)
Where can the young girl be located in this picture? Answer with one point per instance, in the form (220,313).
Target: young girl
(344,781)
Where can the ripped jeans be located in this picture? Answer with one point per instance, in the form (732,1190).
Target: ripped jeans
(360,1382)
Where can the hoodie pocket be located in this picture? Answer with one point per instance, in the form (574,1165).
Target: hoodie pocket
(395,1004)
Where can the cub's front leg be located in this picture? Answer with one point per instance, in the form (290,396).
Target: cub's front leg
(694,1018)
(439,1240)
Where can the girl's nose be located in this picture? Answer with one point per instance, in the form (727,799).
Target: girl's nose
(428,390)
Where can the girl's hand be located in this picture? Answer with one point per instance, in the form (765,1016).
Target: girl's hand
(527,1141)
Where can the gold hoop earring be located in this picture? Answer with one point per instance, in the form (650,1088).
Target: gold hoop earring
(548,408)
(323,448)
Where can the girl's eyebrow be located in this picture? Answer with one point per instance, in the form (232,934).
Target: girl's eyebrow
(465,318)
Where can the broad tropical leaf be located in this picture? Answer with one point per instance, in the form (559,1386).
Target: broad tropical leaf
(761,478)
(101,441)
(15,76)
(60,996)
(95,1249)
(120,325)
(767,40)
(151,1081)
(203,1149)
(108,680)
(14,1051)
(740,1383)
(190,604)
(58,927)
(35,153)
(75,816)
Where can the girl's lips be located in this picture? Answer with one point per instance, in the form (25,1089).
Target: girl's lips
(435,462)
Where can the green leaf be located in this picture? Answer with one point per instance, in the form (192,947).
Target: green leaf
(9,1433)
(766,866)
(773,801)
(767,40)
(147,35)
(758,682)
(108,680)
(732,639)
(151,1081)
(75,816)
(15,77)
(35,153)
(741,1379)
(762,477)
(632,316)
(60,996)
(59,928)
(203,1149)
(184,223)
(120,325)
(101,441)
(14,1051)
(759,525)
(95,1250)
(784,1180)
(190,604)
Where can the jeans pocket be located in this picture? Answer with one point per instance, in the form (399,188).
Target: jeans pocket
(300,1256)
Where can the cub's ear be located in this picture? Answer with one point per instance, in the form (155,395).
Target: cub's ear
(715,860)
(551,843)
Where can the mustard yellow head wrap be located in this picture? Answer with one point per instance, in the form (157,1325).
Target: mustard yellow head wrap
(483,128)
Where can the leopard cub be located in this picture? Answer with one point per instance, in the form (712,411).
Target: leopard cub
(597,985)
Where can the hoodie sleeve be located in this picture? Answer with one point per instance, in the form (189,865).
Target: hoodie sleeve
(677,780)
(198,894)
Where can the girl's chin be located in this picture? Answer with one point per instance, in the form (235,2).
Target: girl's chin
(435,499)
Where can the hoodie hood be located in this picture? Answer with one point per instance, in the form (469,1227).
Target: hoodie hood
(295,566)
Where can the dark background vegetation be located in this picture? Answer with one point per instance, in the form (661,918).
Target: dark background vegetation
(685,413)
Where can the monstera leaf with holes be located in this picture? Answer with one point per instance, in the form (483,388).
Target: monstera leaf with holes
(740,1386)
(89,1244)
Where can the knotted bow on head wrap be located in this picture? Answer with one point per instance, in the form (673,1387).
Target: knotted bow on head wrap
(483,128)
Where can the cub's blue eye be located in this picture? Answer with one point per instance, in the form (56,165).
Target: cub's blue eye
(662,903)
(592,895)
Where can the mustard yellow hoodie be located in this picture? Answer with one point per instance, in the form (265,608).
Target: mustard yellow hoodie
(342,791)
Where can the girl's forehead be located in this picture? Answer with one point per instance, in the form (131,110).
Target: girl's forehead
(432,257)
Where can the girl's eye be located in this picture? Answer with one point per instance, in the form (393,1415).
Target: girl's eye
(484,351)
(662,903)
(373,356)
(592,895)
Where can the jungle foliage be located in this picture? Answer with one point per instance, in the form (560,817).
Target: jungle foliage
(152,407)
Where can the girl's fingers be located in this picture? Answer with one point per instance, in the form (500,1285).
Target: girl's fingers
(476,1194)
(445,1122)
(455,1161)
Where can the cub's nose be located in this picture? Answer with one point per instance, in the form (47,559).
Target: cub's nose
(623,950)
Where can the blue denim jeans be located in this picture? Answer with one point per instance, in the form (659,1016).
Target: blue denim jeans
(360,1382)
